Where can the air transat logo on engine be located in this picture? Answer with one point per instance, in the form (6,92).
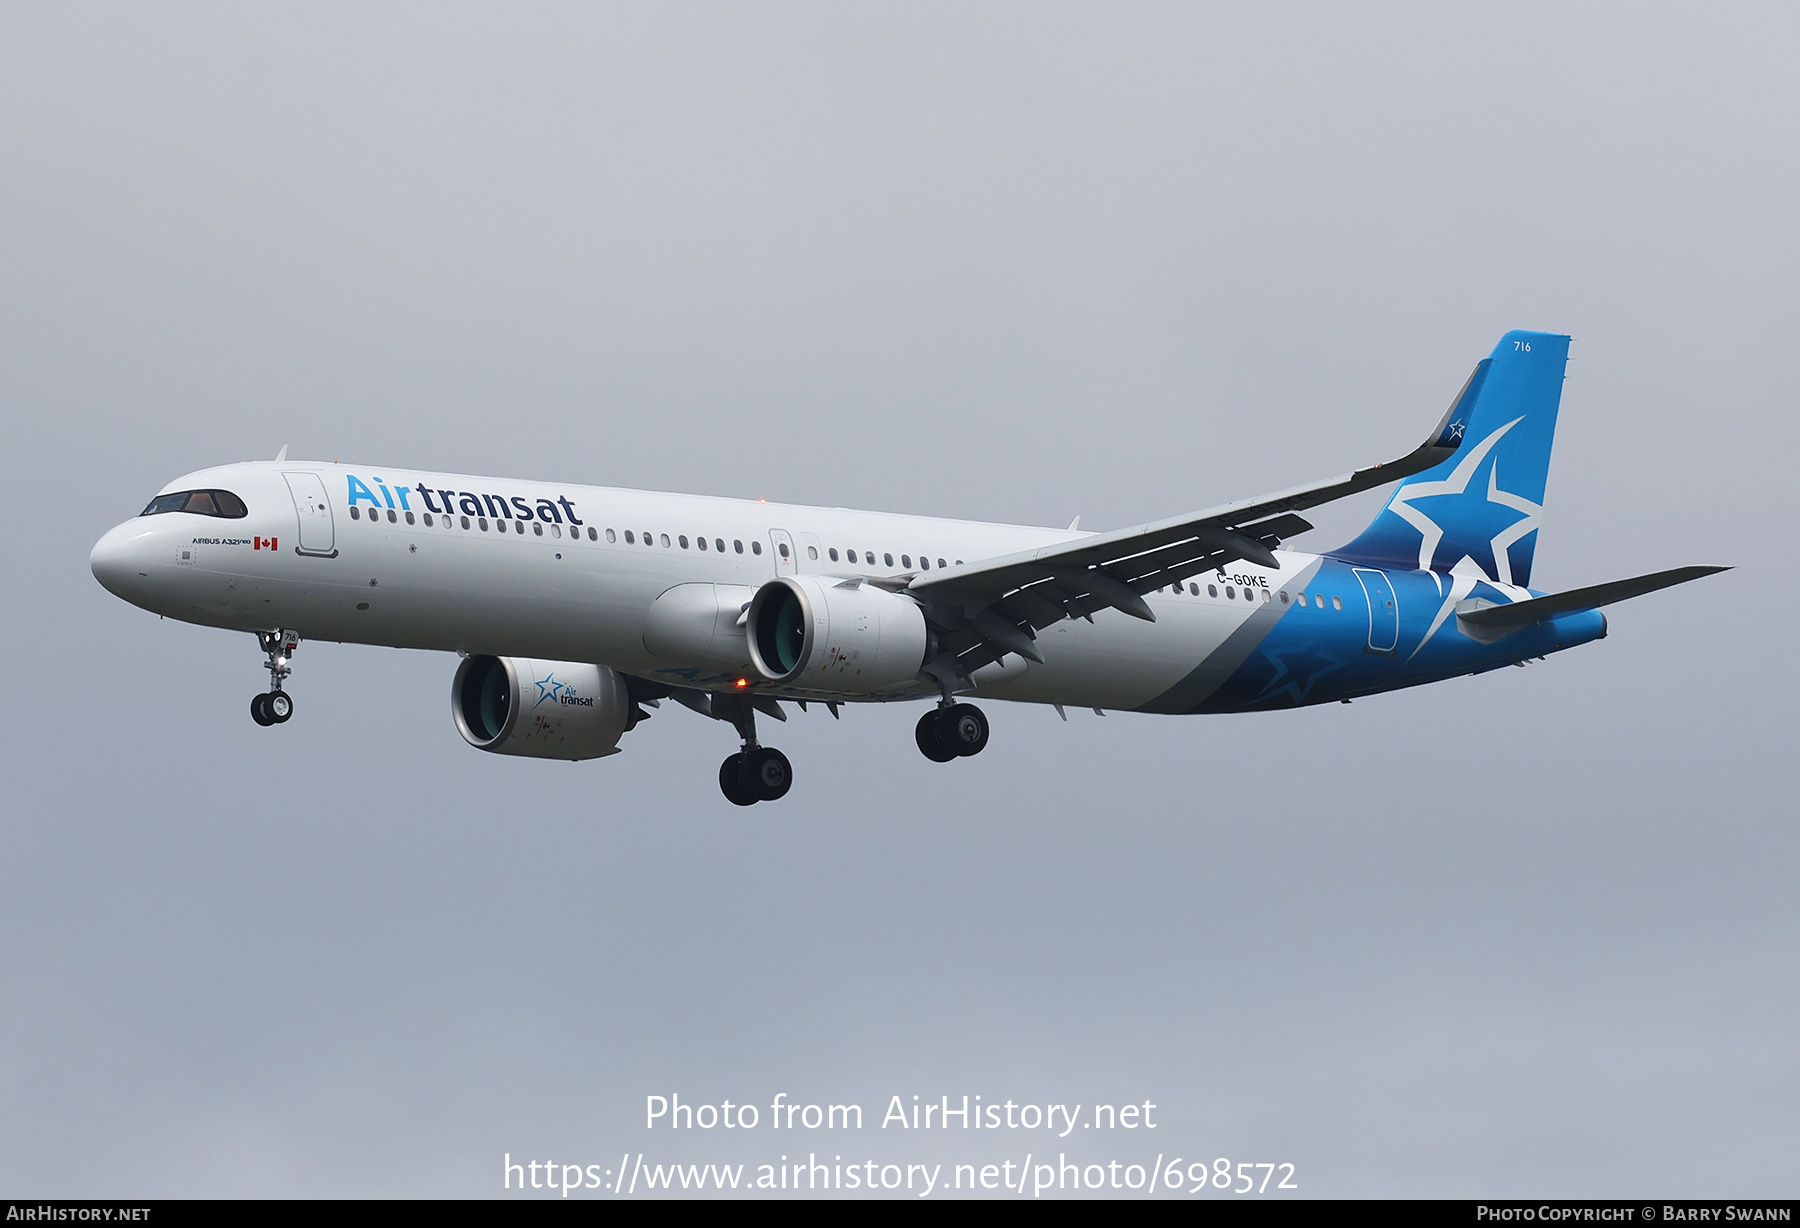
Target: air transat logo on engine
(552,691)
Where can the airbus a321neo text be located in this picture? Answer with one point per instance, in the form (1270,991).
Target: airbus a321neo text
(577,607)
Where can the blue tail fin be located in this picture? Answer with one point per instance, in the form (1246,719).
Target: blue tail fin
(1481,505)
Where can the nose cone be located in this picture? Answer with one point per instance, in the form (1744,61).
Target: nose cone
(116,564)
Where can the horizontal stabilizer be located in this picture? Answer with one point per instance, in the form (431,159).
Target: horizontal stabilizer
(1521,613)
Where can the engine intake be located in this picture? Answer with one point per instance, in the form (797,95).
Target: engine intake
(819,634)
(544,709)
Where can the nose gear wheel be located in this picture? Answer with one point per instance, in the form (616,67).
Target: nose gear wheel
(275,706)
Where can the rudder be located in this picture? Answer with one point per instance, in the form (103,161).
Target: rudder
(1481,505)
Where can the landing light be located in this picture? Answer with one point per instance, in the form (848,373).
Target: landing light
(743,682)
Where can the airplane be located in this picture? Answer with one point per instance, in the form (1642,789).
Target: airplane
(576,608)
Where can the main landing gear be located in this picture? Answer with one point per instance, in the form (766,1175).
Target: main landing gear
(756,773)
(275,707)
(951,731)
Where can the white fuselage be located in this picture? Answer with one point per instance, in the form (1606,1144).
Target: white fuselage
(484,578)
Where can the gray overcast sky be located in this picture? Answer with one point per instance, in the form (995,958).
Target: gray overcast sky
(1532,933)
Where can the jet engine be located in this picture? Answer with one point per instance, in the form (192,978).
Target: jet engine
(821,634)
(544,709)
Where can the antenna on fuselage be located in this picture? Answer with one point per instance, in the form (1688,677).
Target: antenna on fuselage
(281,455)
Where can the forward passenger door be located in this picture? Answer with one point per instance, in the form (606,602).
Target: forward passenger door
(317,535)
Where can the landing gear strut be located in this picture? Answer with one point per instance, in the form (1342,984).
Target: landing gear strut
(756,773)
(951,732)
(275,707)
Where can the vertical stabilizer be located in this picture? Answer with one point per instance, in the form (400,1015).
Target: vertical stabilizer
(1479,508)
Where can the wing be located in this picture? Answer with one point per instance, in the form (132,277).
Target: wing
(986,609)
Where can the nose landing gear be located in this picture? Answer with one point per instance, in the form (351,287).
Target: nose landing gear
(275,707)
(271,709)
(952,732)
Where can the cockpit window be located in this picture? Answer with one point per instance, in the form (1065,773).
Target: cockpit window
(201,502)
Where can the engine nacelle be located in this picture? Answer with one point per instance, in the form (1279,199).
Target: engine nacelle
(829,635)
(546,709)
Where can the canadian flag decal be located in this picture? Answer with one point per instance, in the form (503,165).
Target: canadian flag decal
(262,543)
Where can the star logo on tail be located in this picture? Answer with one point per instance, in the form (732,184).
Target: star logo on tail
(1510,517)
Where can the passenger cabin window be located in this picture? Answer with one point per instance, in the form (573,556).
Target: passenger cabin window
(906,560)
(782,546)
(832,554)
(700,542)
(612,537)
(665,541)
(719,544)
(1319,600)
(812,552)
(683,540)
(888,560)
(1337,603)
(851,555)
(200,502)
(427,519)
(629,539)
(755,547)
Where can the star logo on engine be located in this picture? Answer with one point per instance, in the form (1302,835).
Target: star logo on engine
(548,688)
